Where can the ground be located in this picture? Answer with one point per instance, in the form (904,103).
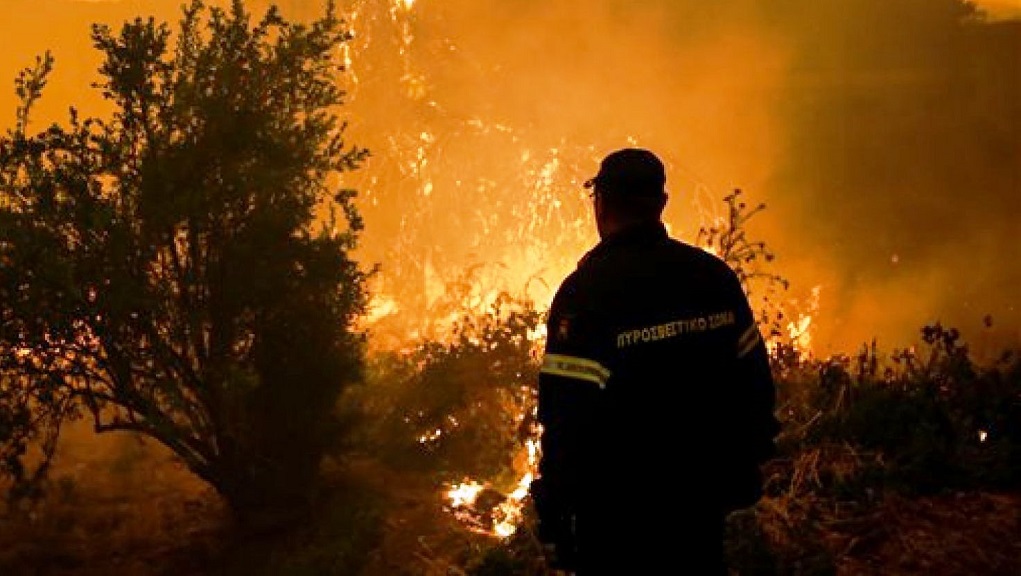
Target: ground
(125,507)
(959,534)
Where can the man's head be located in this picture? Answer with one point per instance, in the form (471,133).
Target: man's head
(629,189)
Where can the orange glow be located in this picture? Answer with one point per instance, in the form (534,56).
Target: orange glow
(484,117)
(481,136)
(800,331)
(503,519)
(464,494)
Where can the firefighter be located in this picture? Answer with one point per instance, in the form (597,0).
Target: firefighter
(655,394)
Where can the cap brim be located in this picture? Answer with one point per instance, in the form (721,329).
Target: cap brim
(589,183)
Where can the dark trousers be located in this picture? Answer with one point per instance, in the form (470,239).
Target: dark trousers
(623,545)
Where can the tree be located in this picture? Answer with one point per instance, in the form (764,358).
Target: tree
(182,270)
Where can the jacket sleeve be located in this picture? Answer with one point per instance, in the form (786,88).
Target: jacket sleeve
(570,383)
(756,398)
(751,405)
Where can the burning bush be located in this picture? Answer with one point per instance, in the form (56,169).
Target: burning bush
(459,404)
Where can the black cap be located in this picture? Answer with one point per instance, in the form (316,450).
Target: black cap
(631,171)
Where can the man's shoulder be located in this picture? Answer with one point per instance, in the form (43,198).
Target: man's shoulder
(567,288)
(578,289)
(691,265)
(699,257)
(670,255)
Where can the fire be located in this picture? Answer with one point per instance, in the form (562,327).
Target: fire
(537,337)
(503,518)
(430,436)
(800,331)
(517,201)
(510,510)
(801,334)
(380,306)
(464,494)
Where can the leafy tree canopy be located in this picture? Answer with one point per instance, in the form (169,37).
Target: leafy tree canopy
(169,270)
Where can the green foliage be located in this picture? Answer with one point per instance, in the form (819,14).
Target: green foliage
(939,420)
(460,404)
(168,271)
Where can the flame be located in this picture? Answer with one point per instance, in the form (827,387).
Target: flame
(464,494)
(510,510)
(801,334)
(800,331)
(380,306)
(430,436)
(413,165)
(504,517)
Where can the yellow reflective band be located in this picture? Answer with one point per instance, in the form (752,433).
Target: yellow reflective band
(749,335)
(577,368)
(749,343)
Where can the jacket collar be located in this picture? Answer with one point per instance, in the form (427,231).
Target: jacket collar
(636,235)
(644,233)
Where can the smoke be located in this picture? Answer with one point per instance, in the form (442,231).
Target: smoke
(902,166)
(485,117)
(882,134)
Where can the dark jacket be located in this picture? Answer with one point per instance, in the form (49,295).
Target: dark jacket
(655,385)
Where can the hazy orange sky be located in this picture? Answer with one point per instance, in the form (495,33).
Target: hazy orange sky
(513,103)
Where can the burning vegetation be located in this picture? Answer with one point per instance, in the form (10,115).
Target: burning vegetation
(143,256)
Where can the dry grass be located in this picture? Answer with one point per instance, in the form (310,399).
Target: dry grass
(955,535)
(870,533)
(124,507)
